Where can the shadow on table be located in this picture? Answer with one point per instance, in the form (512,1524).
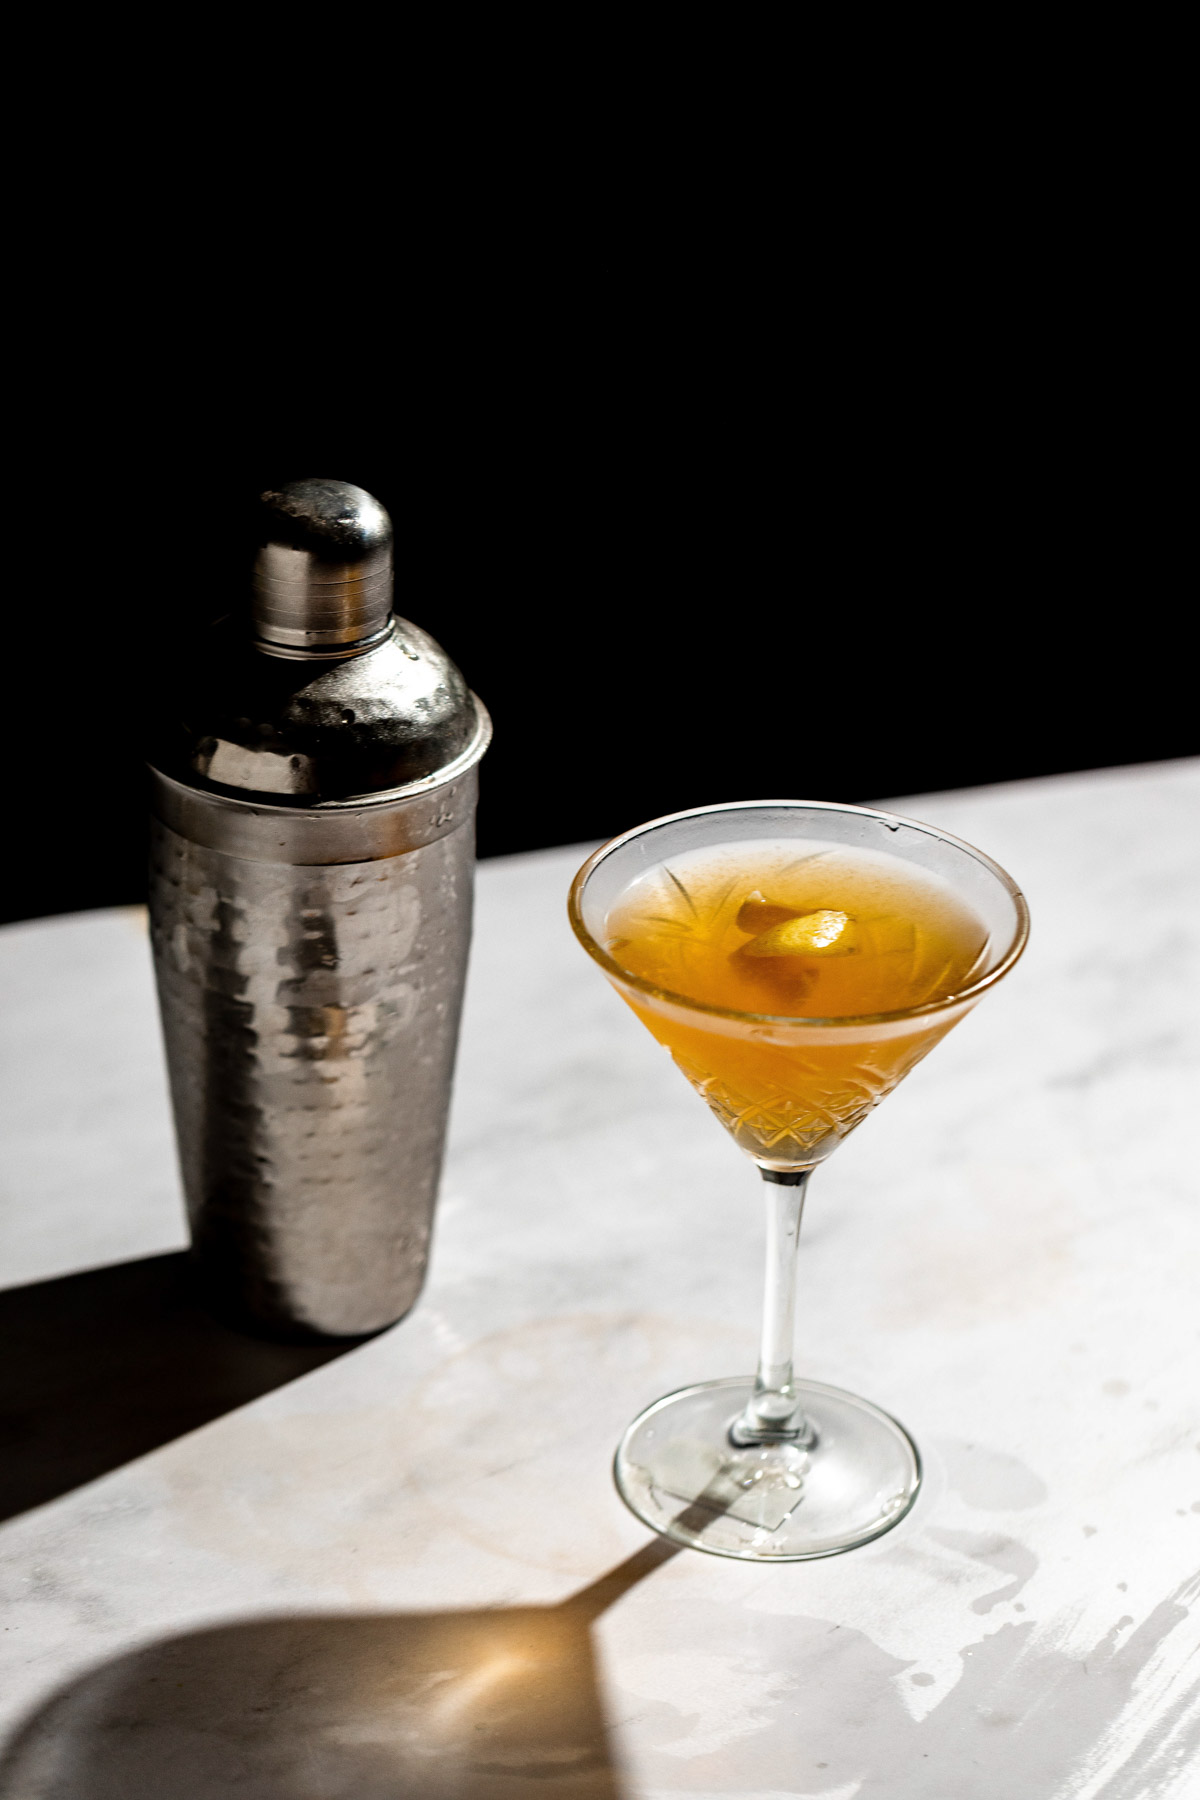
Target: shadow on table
(101,1367)
(507,1705)
(488,1705)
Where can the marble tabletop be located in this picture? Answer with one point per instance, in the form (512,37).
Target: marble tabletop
(233,1569)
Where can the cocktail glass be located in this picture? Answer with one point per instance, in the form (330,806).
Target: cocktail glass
(777,1469)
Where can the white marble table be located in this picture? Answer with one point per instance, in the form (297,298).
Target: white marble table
(404,1570)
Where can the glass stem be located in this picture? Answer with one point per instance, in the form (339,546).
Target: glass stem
(773,1413)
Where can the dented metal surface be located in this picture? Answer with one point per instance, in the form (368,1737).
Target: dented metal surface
(310,1015)
(313,787)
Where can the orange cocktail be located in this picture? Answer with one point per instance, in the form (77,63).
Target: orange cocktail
(779,931)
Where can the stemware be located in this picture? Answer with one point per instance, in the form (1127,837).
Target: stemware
(776,1468)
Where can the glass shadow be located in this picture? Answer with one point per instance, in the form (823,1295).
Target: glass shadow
(497,1704)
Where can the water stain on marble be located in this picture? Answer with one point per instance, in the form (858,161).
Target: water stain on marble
(995,1552)
(990,1480)
(1028,1720)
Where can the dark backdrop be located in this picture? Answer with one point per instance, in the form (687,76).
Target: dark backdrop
(674,576)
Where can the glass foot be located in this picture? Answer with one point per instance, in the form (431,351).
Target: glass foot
(853,1477)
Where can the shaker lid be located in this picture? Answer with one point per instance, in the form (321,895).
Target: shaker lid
(323,569)
(322,695)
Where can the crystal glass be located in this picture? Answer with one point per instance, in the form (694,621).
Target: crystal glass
(774,1468)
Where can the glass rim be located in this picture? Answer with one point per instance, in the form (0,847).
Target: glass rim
(926,1009)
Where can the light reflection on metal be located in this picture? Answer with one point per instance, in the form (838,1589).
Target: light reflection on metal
(312,863)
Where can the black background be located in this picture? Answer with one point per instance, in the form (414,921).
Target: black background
(690,540)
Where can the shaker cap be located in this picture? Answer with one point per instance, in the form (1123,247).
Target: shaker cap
(330,699)
(323,568)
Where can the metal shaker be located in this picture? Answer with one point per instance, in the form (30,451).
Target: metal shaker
(312,861)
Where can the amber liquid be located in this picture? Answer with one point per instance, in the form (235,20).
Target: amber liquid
(794,930)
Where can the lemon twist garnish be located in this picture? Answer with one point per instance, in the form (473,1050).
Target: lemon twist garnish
(757,914)
(824,933)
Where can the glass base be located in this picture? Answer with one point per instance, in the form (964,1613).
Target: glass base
(852,1477)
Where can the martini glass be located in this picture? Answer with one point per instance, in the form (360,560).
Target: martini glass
(772,1468)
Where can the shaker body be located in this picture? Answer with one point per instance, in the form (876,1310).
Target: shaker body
(313,785)
(310,972)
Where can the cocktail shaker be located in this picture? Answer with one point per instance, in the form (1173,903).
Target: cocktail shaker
(312,860)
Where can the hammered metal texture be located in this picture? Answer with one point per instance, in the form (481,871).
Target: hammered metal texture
(310,1017)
